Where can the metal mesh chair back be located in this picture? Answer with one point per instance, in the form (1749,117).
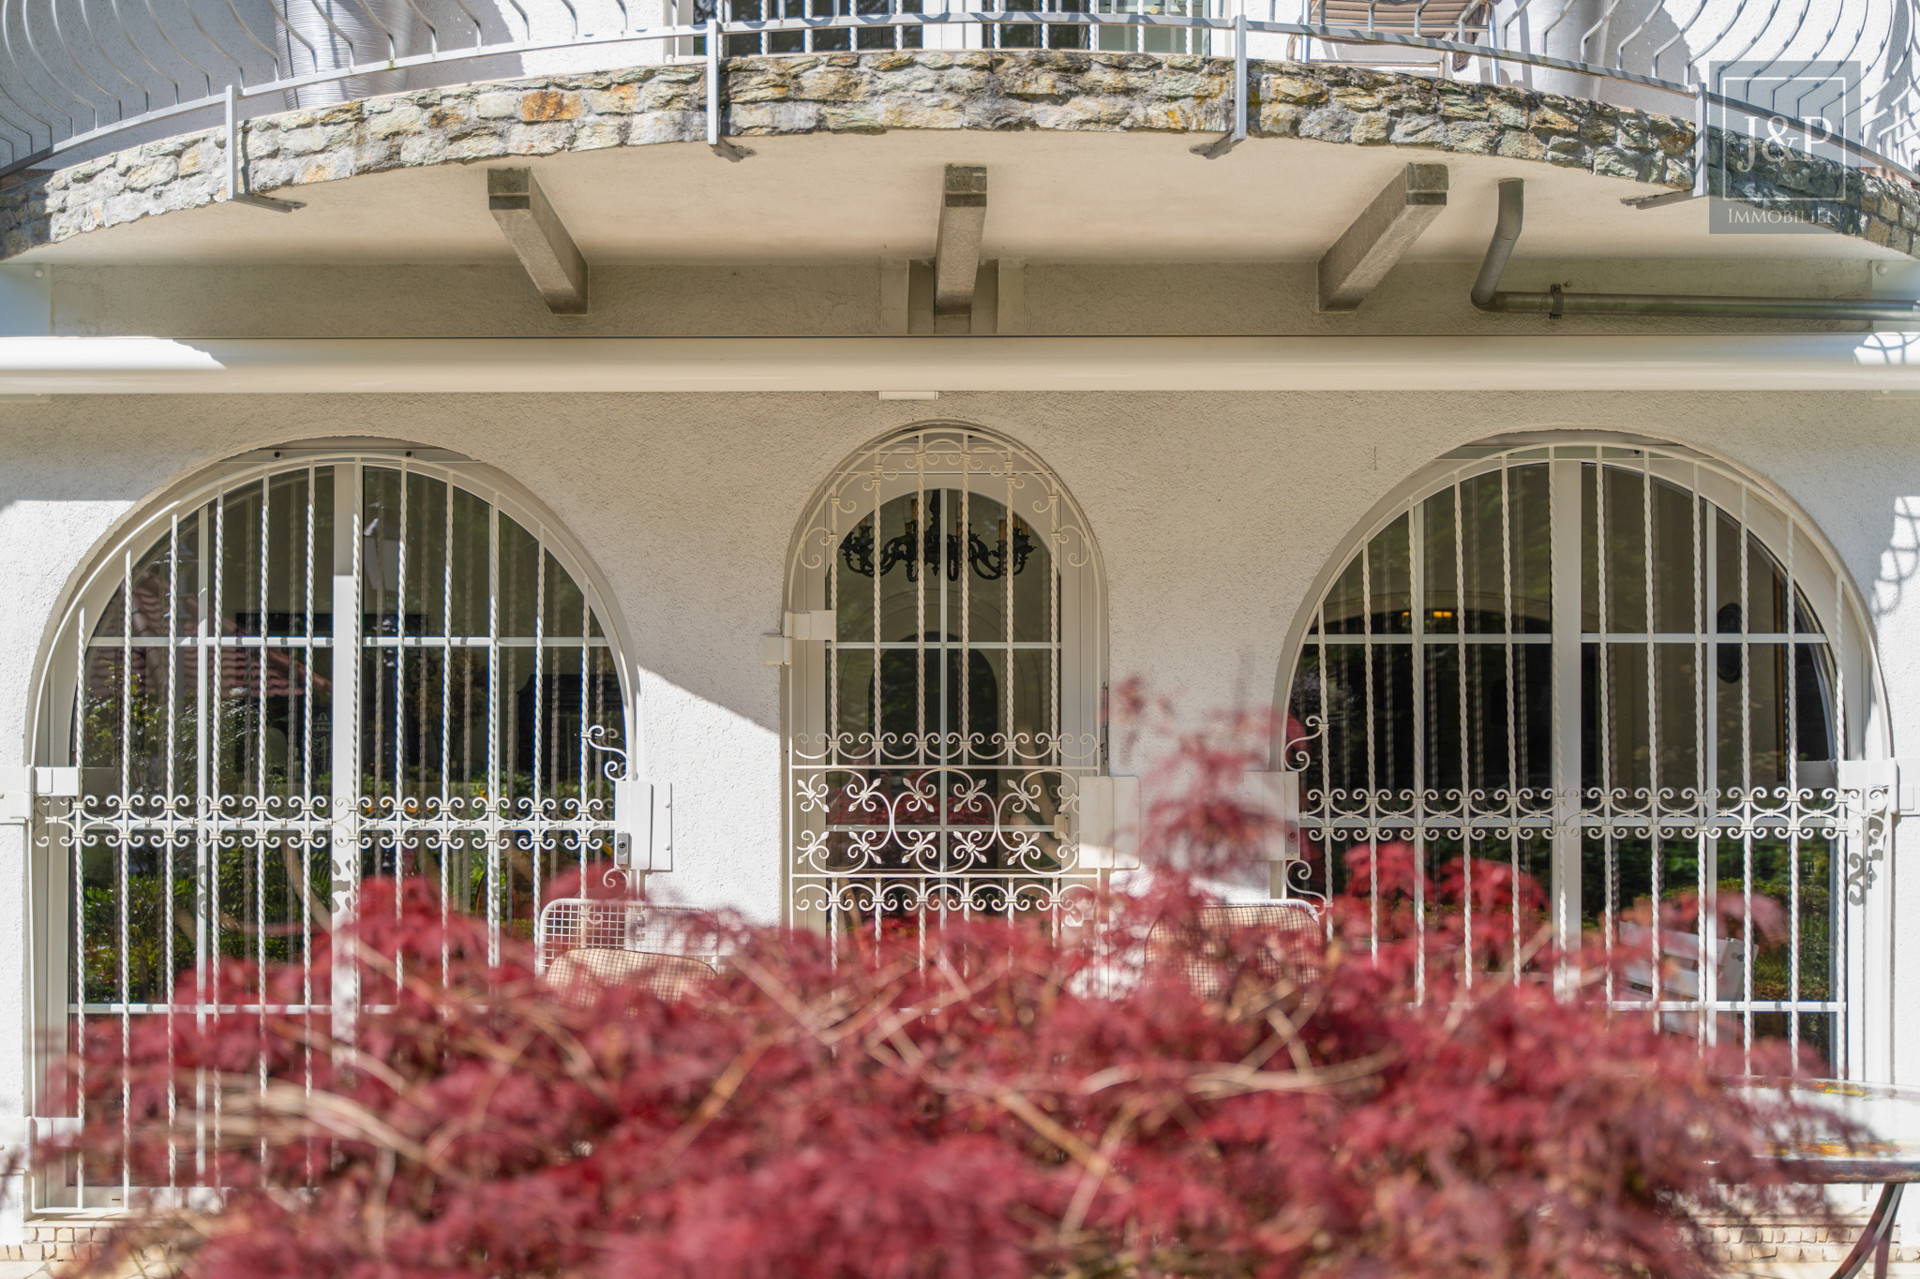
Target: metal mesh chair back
(669,949)
(1280,941)
(668,976)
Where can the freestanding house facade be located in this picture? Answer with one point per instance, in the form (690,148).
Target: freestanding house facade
(469,439)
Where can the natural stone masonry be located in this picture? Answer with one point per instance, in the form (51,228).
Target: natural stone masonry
(55,1239)
(991,91)
(62,1239)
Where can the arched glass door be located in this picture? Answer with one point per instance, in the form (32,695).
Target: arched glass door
(1625,671)
(944,697)
(301,676)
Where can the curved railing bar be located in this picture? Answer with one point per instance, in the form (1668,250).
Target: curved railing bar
(1566,11)
(33,47)
(1675,38)
(239,67)
(1870,122)
(1892,76)
(526,23)
(6,135)
(1859,35)
(247,30)
(60,37)
(1908,122)
(353,51)
(1714,43)
(1753,40)
(27,86)
(1799,25)
(1654,11)
(6,42)
(1519,12)
(120,20)
(1860,148)
(393,41)
(1599,24)
(479,31)
(433,32)
(278,9)
(93,35)
(159,26)
(25,131)
(1800,111)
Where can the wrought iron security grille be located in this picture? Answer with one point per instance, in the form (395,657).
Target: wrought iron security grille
(1629,673)
(948,703)
(821,39)
(299,678)
(891,24)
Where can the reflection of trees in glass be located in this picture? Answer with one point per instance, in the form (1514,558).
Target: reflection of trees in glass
(481,670)
(254,900)
(254,747)
(149,913)
(1773,880)
(1425,688)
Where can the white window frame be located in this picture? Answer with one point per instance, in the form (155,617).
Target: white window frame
(339,817)
(1860,813)
(913,461)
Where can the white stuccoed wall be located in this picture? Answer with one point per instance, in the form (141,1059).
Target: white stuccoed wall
(1214,515)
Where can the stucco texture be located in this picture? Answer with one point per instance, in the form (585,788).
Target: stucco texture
(1214,515)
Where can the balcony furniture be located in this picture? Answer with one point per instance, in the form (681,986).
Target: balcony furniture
(1682,975)
(669,950)
(1291,927)
(1891,1160)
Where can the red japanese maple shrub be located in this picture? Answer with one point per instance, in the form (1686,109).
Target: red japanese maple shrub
(1147,1092)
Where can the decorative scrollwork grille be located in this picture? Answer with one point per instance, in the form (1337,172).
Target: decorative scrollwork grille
(1629,673)
(942,715)
(298,678)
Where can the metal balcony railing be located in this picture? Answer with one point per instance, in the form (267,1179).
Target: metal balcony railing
(79,77)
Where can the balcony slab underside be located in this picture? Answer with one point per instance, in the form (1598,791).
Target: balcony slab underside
(1090,157)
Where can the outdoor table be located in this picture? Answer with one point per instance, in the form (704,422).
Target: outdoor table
(1889,1158)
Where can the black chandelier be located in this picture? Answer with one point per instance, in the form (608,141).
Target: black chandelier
(930,547)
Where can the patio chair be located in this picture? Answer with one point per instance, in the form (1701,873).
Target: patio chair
(1290,931)
(1681,970)
(670,950)
(668,976)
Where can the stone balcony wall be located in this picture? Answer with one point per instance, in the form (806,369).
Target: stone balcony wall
(856,93)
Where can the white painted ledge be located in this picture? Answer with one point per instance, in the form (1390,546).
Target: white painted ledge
(127,365)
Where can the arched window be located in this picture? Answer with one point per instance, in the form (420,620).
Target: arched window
(944,693)
(308,672)
(1623,669)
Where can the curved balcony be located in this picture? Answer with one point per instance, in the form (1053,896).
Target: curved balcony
(83,77)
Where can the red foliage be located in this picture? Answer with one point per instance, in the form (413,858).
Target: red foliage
(993,1103)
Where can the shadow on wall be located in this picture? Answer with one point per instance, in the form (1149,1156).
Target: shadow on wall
(1899,560)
